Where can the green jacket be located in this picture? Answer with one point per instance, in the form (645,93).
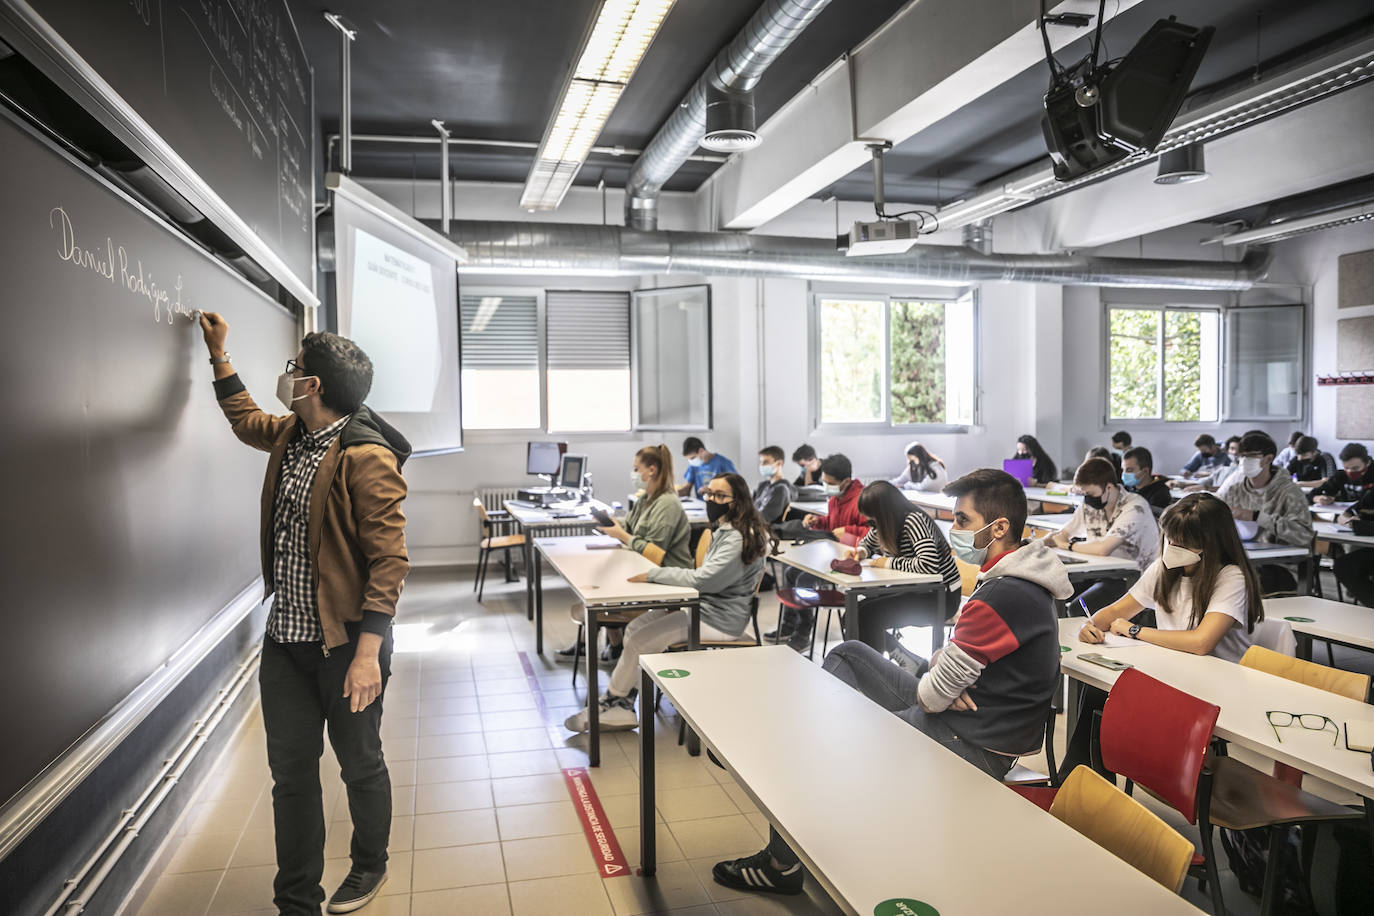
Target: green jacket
(662,522)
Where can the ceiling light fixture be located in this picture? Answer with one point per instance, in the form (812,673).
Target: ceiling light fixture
(1183,165)
(1279,229)
(616,44)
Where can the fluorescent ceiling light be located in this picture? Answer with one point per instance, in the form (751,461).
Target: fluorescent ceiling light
(622,33)
(1284,229)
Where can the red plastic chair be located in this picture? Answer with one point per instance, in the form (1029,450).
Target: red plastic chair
(1157,736)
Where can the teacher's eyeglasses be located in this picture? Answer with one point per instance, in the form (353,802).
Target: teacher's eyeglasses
(1308,720)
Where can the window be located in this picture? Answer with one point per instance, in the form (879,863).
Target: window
(588,346)
(895,362)
(1265,350)
(672,357)
(1165,363)
(500,358)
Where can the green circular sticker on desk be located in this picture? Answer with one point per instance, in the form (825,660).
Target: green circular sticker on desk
(904,906)
(1065,649)
(1301,619)
(674,673)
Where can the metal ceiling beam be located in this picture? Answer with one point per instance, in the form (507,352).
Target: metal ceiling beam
(928,61)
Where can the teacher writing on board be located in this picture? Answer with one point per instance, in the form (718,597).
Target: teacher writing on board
(334,555)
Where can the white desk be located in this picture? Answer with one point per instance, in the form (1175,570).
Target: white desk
(1331,512)
(921,823)
(814,557)
(1321,618)
(1081,567)
(938,502)
(1244,694)
(1041,495)
(599,580)
(811,508)
(1330,531)
(1051,522)
(533,521)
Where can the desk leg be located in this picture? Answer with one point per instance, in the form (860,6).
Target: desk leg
(537,574)
(937,638)
(693,643)
(529,573)
(1304,646)
(593,688)
(647,827)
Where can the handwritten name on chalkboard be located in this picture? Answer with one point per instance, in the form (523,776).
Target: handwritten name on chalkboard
(113,263)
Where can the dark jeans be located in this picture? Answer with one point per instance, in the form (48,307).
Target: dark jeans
(302,691)
(1079,750)
(867,671)
(1098,595)
(878,615)
(1355,571)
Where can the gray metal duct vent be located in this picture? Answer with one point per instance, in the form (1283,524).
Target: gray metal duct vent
(729,121)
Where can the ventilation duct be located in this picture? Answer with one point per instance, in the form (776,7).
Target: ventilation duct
(729,121)
(591,250)
(736,69)
(1184,165)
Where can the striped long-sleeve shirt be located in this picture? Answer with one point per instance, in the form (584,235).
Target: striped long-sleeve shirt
(920,549)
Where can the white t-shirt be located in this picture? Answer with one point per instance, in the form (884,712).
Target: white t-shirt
(1133,523)
(1228,597)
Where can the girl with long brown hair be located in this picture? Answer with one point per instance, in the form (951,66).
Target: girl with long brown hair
(1204,592)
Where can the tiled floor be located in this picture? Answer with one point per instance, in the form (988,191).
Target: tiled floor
(483,822)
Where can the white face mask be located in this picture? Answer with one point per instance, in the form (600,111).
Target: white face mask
(766,471)
(1175,556)
(961,545)
(636,482)
(1252,467)
(695,462)
(286,389)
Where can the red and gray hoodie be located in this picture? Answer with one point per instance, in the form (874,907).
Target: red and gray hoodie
(1005,652)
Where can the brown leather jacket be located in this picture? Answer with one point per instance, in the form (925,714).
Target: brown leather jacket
(356,529)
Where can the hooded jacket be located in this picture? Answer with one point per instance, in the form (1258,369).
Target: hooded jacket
(1004,651)
(842,511)
(356,530)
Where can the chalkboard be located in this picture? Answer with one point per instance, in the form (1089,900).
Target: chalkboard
(227,85)
(130,511)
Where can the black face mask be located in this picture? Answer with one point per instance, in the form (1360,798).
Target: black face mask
(1095,502)
(716,511)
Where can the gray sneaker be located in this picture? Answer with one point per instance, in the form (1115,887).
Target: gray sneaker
(908,661)
(356,891)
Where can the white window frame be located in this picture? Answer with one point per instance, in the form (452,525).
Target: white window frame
(1225,415)
(541,433)
(867,427)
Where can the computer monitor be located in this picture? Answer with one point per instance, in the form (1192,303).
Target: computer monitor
(574,467)
(545,458)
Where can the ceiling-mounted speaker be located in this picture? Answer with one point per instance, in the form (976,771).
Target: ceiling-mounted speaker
(730,121)
(1143,93)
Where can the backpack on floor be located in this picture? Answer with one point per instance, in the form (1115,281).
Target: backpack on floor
(1247,851)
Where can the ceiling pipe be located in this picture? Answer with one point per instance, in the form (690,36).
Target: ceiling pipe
(333,139)
(736,69)
(445,193)
(1206,115)
(346,36)
(590,250)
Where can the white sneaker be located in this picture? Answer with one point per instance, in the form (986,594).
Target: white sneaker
(616,714)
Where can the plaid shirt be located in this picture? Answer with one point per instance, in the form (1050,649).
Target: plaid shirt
(295,615)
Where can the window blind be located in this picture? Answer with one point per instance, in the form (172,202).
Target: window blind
(587,330)
(500,332)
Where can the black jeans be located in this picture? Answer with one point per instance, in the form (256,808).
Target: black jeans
(302,690)
(878,615)
(1355,571)
(867,671)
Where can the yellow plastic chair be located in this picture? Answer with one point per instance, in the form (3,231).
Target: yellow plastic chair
(1123,826)
(1345,683)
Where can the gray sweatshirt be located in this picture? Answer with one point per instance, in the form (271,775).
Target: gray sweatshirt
(725,583)
(662,522)
(1284,516)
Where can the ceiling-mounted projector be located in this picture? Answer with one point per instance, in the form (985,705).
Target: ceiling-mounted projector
(885,237)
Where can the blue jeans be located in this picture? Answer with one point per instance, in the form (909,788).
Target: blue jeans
(869,672)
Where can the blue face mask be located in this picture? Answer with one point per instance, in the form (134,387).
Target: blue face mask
(1130,479)
(961,545)
(766,471)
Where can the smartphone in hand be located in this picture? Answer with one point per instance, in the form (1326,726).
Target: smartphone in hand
(602,519)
